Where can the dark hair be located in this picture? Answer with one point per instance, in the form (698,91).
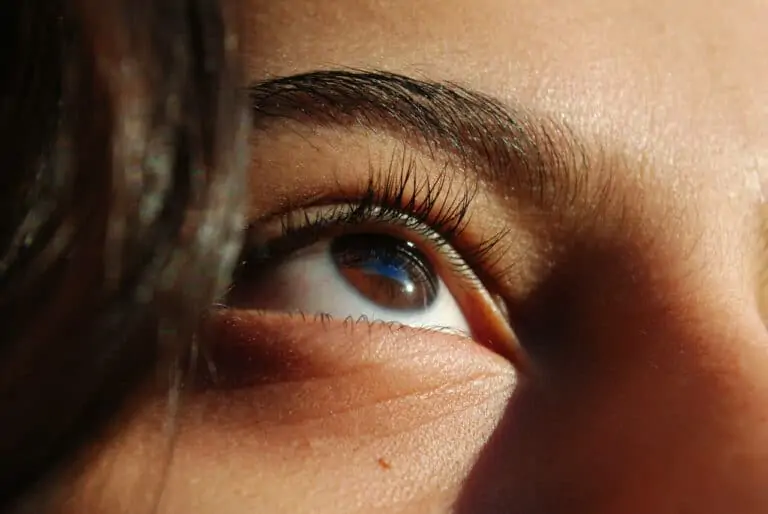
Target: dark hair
(123,142)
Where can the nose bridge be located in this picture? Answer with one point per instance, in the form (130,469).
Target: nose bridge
(711,406)
(698,328)
(681,392)
(664,375)
(685,330)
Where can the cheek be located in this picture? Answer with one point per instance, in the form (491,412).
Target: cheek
(307,416)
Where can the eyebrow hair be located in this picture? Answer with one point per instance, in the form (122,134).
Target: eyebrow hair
(508,146)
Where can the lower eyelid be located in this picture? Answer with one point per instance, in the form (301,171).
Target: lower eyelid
(250,349)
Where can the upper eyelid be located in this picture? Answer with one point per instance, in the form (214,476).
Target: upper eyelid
(398,192)
(498,245)
(437,203)
(324,220)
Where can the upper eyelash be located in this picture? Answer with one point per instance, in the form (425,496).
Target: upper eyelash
(395,194)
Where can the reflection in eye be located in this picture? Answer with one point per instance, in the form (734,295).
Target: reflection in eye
(376,276)
(390,273)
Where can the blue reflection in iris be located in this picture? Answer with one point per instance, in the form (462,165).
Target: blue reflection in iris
(388,271)
(396,271)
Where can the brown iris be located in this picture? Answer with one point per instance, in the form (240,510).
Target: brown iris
(387,271)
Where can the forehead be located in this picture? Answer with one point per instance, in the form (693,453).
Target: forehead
(682,84)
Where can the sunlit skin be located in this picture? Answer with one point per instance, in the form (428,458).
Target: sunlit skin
(648,390)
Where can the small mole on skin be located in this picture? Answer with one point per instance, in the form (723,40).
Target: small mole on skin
(383,464)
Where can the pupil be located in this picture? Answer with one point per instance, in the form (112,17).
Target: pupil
(390,272)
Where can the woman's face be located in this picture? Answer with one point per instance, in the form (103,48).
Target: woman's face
(574,188)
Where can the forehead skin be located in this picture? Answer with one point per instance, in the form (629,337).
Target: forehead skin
(683,83)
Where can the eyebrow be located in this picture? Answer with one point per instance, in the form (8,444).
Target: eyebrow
(507,146)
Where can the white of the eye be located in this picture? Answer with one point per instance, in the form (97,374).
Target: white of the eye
(310,282)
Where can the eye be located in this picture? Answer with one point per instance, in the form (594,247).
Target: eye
(404,252)
(360,275)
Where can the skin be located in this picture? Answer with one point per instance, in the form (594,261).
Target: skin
(652,399)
